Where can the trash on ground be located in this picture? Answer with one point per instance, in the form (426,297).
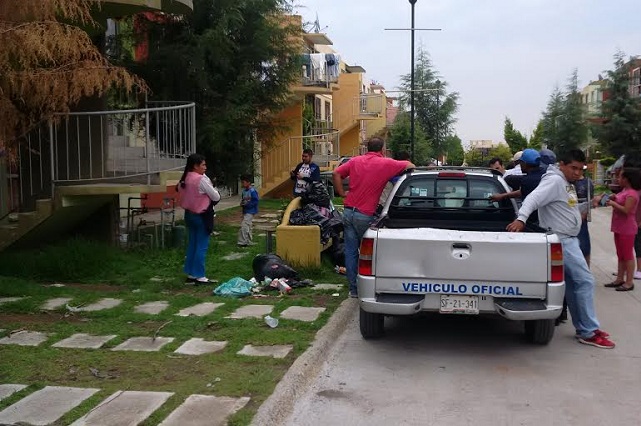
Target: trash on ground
(270,321)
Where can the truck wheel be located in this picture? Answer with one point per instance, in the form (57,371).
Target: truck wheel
(371,324)
(539,332)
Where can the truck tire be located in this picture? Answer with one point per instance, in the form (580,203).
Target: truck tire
(371,324)
(539,332)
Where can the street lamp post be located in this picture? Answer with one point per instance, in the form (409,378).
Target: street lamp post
(412,156)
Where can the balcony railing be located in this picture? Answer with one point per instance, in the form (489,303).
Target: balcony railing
(100,146)
(369,105)
(320,69)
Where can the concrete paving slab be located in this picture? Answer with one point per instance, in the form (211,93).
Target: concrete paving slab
(270,215)
(261,220)
(56,303)
(205,410)
(302,313)
(24,338)
(152,308)
(102,304)
(251,311)
(124,408)
(9,389)
(198,346)
(143,344)
(45,406)
(83,341)
(9,299)
(235,256)
(200,310)
(328,287)
(276,351)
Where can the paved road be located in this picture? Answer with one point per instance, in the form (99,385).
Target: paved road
(475,371)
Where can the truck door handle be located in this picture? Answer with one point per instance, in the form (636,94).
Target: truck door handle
(461,246)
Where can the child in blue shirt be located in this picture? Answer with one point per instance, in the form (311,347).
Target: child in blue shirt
(249,203)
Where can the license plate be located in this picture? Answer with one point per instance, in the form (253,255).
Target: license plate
(459,304)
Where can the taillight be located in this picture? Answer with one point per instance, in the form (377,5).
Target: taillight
(366,256)
(556,262)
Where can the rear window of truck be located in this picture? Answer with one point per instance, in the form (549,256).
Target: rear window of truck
(431,192)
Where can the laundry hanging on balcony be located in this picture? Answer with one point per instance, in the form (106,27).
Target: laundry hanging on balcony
(321,67)
(333,66)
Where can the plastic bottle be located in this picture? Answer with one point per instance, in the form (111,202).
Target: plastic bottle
(270,321)
(283,287)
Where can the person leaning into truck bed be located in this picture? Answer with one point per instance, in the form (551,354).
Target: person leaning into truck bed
(557,203)
(368,175)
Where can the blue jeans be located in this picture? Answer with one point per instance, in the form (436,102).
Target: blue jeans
(197,244)
(579,288)
(355,224)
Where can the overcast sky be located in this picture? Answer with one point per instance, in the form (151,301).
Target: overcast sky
(504,57)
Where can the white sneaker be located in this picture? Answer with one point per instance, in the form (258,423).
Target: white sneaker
(637,275)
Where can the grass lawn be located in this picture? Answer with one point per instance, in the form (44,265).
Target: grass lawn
(91,271)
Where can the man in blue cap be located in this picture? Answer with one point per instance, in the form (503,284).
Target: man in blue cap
(530,165)
(548,157)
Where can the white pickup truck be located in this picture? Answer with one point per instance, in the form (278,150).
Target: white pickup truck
(440,245)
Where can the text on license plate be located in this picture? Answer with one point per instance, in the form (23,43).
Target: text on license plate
(459,304)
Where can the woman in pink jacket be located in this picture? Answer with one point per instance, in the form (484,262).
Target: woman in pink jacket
(198,197)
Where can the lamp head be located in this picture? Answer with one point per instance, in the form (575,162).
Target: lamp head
(412,2)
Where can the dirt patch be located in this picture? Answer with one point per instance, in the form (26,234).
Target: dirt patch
(234,218)
(24,320)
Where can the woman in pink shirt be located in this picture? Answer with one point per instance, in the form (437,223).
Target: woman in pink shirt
(198,197)
(624,225)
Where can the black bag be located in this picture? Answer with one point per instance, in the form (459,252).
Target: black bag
(272,266)
(316,194)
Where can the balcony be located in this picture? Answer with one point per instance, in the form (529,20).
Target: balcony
(369,106)
(319,74)
(98,153)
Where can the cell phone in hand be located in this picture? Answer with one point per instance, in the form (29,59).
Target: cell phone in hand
(604,200)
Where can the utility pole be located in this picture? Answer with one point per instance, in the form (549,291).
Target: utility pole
(438,129)
(412,118)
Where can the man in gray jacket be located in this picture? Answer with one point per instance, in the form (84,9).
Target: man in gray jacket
(557,203)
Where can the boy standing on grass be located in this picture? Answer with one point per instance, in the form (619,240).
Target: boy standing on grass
(249,203)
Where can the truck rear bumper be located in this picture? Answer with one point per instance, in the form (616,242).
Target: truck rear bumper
(516,309)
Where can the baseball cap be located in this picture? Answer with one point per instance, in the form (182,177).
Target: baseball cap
(530,156)
(547,156)
(517,156)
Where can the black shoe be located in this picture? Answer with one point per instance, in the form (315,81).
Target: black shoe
(242,245)
(189,281)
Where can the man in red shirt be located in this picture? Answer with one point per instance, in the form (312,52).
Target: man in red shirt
(368,175)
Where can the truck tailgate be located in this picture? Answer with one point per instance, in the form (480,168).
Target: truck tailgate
(427,255)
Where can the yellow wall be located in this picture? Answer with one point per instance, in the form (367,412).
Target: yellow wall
(282,152)
(350,142)
(345,99)
(378,124)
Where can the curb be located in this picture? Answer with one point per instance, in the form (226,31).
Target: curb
(280,404)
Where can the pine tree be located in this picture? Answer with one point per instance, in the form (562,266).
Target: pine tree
(551,116)
(434,107)
(620,132)
(571,128)
(514,138)
(48,63)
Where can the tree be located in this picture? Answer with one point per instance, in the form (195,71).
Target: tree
(501,151)
(571,128)
(475,158)
(48,63)
(453,149)
(553,112)
(237,59)
(536,140)
(435,109)
(620,132)
(514,139)
(399,139)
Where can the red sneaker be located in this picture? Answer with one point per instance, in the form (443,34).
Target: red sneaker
(597,340)
(601,333)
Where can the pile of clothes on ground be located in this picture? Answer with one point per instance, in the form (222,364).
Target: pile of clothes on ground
(271,273)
